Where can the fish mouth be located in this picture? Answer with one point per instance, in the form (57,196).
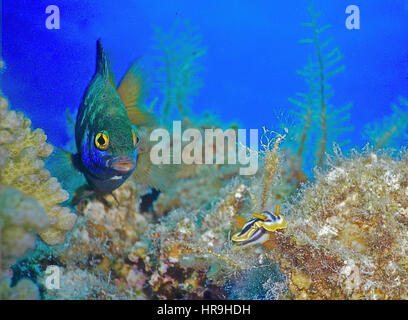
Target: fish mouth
(123,164)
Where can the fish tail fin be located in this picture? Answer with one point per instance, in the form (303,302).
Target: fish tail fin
(102,64)
(132,91)
(61,166)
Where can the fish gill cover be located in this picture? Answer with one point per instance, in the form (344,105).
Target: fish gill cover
(324,216)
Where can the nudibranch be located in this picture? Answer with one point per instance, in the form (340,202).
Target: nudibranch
(260,228)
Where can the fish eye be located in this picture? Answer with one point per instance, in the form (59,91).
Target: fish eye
(102,140)
(136,138)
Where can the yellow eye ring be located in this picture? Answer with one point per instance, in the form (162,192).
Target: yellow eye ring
(101,141)
(136,139)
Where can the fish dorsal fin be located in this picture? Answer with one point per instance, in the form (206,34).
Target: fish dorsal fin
(132,91)
(102,64)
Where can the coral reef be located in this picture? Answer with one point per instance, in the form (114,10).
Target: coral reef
(342,235)
(20,219)
(345,239)
(196,241)
(192,242)
(29,199)
(347,232)
(96,250)
(21,166)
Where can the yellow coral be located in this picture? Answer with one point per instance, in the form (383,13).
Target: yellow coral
(20,218)
(22,151)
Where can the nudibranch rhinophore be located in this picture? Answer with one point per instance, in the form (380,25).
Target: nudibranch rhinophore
(259,229)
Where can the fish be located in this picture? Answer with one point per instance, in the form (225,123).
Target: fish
(111,144)
(259,228)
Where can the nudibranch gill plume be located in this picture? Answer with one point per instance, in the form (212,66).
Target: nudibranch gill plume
(260,228)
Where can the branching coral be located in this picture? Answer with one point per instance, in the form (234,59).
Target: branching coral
(21,167)
(29,198)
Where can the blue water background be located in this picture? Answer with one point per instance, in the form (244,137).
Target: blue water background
(249,70)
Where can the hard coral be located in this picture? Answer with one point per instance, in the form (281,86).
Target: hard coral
(99,245)
(20,218)
(22,151)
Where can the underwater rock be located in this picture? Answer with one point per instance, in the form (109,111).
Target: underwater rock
(22,151)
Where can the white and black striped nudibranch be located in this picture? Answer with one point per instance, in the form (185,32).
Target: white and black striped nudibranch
(259,229)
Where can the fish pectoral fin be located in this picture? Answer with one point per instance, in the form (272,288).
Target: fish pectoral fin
(144,142)
(132,91)
(82,193)
(158,176)
(61,165)
(152,175)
